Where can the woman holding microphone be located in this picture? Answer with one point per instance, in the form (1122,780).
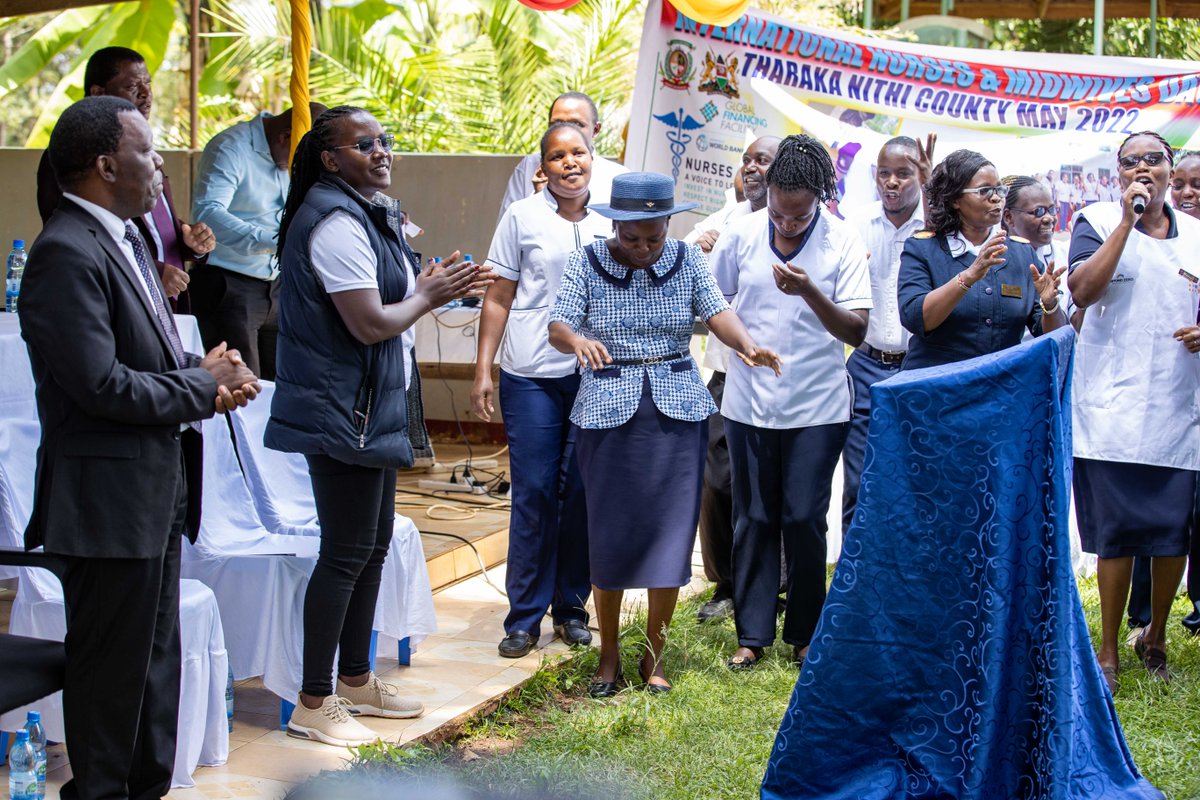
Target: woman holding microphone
(1136,419)
(548,533)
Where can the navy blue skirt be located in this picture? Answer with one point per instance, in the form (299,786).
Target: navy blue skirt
(1133,509)
(642,481)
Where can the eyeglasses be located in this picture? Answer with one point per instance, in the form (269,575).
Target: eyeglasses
(366,145)
(1038,211)
(988,192)
(1151,159)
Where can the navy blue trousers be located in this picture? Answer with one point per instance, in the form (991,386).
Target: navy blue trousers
(547,534)
(865,372)
(782,483)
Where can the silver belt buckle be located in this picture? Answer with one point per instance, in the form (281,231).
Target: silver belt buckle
(653,360)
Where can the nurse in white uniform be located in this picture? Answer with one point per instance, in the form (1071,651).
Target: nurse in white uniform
(1136,415)
(547,542)
(798,279)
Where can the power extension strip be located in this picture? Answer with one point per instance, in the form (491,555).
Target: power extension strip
(447,486)
(482,463)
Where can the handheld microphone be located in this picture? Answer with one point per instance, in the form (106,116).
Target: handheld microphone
(1139,205)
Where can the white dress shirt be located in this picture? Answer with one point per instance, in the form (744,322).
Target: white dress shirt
(716,354)
(884,243)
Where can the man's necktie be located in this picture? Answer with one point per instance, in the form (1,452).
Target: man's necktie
(165,225)
(160,309)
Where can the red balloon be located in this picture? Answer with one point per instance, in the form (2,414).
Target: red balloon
(549,5)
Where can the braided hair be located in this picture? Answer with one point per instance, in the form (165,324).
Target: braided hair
(1170,151)
(802,162)
(1015,184)
(946,185)
(307,168)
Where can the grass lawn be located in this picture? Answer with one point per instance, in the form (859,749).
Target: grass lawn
(711,737)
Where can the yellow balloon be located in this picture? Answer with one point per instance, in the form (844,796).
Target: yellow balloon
(712,12)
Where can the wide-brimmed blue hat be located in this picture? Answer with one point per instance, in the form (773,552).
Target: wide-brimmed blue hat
(641,195)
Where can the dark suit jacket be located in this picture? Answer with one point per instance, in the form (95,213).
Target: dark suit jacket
(109,397)
(49,196)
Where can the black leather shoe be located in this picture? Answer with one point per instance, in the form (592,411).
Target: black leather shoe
(574,632)
(1192,621)
(715,609)
(517,644)
(602,689)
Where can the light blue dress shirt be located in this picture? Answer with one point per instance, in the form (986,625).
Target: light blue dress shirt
(637,314)
(240,194)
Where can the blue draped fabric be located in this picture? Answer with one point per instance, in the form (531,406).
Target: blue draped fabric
(952,659)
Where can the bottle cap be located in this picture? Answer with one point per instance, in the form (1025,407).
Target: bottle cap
(33,716)
(19,243)
(22,736)
(468,257)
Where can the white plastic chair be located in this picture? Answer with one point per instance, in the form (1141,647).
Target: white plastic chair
(39,611)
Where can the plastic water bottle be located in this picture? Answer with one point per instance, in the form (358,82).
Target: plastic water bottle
(37,740)
(22,769)
(229,699)
(469,302)
(16,270)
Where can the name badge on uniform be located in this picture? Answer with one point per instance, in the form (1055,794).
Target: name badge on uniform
(1010,290)
(1192,279)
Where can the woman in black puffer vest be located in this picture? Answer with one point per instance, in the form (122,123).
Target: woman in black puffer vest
(349,298)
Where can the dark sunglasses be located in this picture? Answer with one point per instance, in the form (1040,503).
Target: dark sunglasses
(988,192)
(366,145)
(1038,211)
(1151,159)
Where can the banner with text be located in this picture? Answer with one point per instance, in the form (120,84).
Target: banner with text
(703,93)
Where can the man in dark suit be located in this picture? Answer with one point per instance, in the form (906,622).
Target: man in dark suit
(118,468)
(121,72)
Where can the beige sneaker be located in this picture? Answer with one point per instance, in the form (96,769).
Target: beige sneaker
(331,724)
(378,699)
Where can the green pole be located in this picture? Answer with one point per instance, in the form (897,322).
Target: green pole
(904,10)
(1097,29)
(1153,28)
(869,14)
(946,6)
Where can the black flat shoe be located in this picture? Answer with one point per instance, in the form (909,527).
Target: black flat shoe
(1192,622)
(652,688)
(517,644)
(574,632)
(602,689)
(715,609)
(744,663)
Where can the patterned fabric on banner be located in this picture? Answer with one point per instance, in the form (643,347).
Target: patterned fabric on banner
(952,659)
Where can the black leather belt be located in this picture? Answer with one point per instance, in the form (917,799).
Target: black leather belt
(648,361)
(891,358)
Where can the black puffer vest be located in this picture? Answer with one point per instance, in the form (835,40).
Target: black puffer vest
(335,396)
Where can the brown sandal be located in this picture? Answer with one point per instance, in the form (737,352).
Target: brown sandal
(1154,659)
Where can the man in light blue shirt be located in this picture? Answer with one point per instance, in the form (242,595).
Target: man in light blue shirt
(241,187)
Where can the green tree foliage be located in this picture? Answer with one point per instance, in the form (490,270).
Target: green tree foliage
(1177,38)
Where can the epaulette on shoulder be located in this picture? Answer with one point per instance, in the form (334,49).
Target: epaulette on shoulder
(924,235)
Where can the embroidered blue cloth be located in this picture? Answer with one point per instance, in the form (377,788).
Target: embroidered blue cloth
(952,658)
(637,314)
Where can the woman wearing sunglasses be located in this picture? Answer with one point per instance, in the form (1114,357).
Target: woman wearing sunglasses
(1136,421)
(965,287)
(350,296)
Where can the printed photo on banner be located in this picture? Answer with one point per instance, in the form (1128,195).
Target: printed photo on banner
(703,93)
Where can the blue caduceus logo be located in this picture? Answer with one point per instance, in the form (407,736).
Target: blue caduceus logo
(678,124)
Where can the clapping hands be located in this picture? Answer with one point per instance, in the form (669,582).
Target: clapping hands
(236,384)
